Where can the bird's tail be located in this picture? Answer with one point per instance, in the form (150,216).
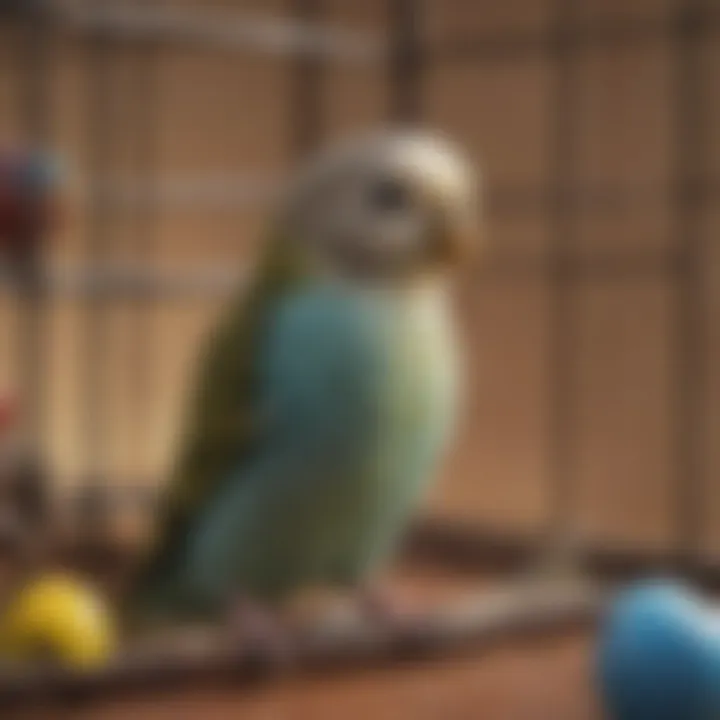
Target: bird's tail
(154,588)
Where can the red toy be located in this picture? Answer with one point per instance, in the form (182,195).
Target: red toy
(28,206)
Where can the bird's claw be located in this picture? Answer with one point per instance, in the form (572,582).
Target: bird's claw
(259,632)
(383,607)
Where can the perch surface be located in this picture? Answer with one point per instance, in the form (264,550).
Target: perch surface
(456,618)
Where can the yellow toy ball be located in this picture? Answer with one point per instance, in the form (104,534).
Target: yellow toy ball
(58,619)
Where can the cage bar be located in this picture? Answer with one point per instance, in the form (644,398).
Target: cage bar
(690,350)
(561,526)
(34,58)
(306,115)
(146,219)
(601,33)
(99,62)
(214,31)
(405,79)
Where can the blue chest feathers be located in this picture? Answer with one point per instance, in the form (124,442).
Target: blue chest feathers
(367,373)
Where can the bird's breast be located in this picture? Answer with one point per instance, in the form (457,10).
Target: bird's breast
(362,371)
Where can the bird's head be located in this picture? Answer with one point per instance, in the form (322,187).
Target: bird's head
(392,205)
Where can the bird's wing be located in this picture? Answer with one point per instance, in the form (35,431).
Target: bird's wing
(225,419)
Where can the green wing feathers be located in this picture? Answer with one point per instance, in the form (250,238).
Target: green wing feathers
(224,418)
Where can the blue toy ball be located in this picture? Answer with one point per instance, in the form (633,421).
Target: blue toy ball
(659,655)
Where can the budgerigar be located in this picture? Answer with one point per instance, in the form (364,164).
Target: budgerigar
(328,392)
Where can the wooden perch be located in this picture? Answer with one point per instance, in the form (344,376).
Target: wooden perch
(472,626)
(471,548)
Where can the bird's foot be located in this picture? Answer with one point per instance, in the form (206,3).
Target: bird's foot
(260,630)
(383,606)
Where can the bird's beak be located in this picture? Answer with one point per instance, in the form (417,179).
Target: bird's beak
(454,232)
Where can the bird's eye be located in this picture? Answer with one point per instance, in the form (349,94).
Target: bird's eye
(389,195)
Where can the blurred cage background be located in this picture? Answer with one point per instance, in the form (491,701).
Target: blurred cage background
(592,325)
